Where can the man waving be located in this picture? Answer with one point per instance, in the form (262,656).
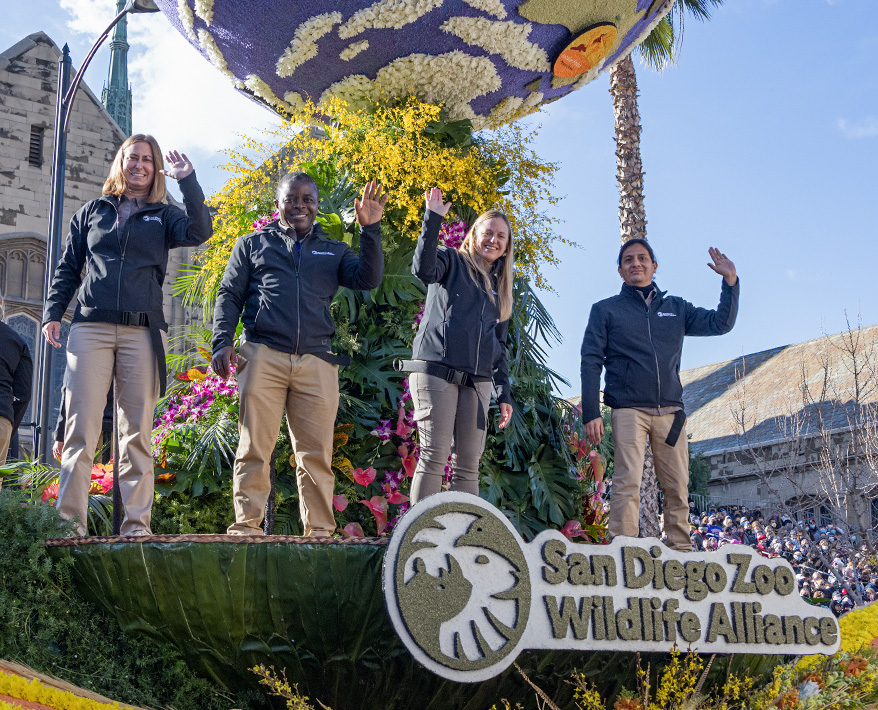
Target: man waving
(638,337)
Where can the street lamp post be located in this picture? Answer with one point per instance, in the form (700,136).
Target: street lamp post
(63,109)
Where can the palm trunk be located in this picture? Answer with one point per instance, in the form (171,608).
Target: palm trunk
(629,169)
(632,223)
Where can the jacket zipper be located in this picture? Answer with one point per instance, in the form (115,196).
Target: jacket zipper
(481,333)
(296,257)
(121,262)
(658,376)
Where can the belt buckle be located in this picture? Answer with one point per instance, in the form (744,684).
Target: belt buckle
(125,318)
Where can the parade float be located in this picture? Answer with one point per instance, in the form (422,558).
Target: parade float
(413,93)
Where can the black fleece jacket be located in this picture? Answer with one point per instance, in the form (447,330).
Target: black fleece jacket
(461,326)
(125,271)
(16,372)
(285,294)
(641,346)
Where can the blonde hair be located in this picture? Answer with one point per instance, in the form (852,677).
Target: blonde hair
(481,273)
(117,184)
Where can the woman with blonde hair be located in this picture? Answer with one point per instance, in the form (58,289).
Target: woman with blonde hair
(460,348)
(116,255)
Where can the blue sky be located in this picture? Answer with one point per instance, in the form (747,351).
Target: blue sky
(762,140)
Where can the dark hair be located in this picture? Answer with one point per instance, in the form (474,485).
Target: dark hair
(631,243)
(298,176)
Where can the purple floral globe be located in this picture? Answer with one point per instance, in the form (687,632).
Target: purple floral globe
(486,60)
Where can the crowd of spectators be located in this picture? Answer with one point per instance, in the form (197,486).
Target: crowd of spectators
(832,567)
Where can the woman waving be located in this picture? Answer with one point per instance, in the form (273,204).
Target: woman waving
(460,348)
(116,256)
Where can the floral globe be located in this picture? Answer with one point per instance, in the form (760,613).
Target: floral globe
(489,61)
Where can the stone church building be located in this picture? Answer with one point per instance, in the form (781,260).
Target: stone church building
(28,84)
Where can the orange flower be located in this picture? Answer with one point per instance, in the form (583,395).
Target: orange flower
(854,666)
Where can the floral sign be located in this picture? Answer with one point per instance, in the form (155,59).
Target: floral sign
(486,60)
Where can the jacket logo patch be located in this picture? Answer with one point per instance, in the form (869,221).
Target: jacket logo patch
(323,253)
(666,315)
(155,218)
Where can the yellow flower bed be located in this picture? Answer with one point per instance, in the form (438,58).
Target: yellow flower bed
(391,144)
(858,629)
(35,692)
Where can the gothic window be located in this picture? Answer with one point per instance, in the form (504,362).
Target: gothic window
(22,271)
(28,329)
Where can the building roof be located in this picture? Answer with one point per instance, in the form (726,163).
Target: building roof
(782,392)
(23,46)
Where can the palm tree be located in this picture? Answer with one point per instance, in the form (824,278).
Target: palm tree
(658,51)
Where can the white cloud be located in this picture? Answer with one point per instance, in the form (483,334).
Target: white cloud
(178,95)
(866,127)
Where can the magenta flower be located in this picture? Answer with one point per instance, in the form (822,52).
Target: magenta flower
(339,502)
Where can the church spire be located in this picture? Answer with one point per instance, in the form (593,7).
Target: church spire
(116,96)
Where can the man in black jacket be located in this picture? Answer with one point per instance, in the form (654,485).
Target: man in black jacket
(638,337)
(284,278)
(16,372)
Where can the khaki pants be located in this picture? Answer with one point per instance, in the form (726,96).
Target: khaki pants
(631,428)
(5,438)
(270,381)
(447,424)
(95,353)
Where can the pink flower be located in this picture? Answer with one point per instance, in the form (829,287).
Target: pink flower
(339,502)
(409,462)
(364,478)
(378,506)
(394,496)
(353,530)
(50,492)
(573,529)
(402,429)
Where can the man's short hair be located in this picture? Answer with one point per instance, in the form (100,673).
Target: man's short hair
(296,176)
(631,243)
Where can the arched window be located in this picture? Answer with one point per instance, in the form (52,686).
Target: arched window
(28,329)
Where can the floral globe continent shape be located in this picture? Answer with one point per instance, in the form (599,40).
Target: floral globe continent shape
(457,586)
(490,61)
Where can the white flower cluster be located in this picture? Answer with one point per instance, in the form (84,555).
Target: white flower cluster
(204,9)
(187,19)
(508,39)
(385,14)
(294,100)
(453,79)
(492,7)
(264,92)
(304,44)
(353,50)
(513,107)
(209,45)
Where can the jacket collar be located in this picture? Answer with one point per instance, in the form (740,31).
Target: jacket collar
(276,229)
(632,292)
(115,200)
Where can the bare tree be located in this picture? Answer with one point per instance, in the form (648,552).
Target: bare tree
(822,455)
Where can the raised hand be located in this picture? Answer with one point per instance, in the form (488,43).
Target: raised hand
(178,165)
(370,206)
(722,265)
(433,198)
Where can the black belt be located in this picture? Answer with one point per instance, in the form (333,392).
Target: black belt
(676,427)
(449,374)
(154,320)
